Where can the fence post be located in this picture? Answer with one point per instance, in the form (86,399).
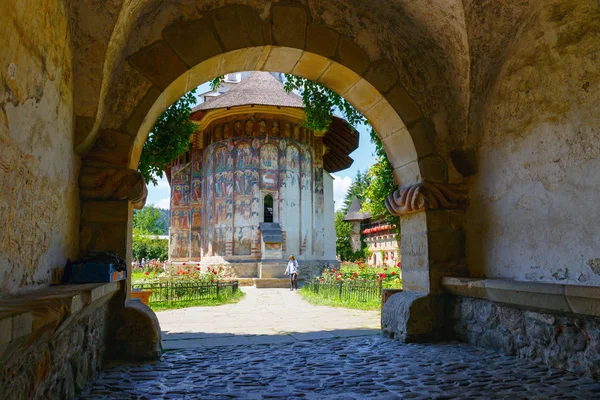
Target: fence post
(340,294)
(217,289)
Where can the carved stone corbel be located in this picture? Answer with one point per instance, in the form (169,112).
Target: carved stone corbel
(113,183)
(426,196)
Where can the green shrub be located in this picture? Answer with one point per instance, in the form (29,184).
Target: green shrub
(150,248)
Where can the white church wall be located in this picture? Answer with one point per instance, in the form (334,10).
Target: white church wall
(329,216)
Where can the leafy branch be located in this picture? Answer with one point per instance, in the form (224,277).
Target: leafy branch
(320,103)
(169,138)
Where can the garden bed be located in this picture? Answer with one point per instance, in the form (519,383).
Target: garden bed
(186,286)
(352,286)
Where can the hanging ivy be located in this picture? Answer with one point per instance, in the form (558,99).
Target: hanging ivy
(168,139)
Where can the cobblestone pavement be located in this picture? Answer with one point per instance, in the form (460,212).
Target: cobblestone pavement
(371,367)
(263,316)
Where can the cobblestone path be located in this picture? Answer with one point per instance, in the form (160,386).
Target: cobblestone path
(370,367)
(263,316)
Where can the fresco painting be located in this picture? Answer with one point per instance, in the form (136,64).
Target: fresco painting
(216,197)
(222,160)
(242,242)
(196,213)
(196,164)
(195,251)
(178,245)
(196,190)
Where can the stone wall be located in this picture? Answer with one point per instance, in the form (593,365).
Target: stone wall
(559,340)
(39,204)
(533,199)
(59,367)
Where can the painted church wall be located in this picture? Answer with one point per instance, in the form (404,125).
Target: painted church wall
(218,193)
(291,204)
(329,216)
(39,202)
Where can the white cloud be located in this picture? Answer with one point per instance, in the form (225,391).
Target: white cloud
(163,183)
(340,187)
(163,203)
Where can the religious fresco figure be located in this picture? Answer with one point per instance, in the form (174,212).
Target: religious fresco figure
(186,194)
(185,220)
(240,157)
(196,190)
(195,217)
(176,197)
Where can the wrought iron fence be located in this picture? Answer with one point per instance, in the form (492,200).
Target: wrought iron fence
(173,291)
(347,290)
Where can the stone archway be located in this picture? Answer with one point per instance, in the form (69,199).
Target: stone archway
(156,75)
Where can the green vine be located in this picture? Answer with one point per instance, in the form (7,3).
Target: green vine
(169,138)
(320,103)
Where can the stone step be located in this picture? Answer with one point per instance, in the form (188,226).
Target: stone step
(263,283)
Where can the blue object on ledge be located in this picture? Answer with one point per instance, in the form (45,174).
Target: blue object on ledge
(97,273)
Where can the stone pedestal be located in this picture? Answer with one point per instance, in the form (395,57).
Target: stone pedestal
(413,317)
(134,333)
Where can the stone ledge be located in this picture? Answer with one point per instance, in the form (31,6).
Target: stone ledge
(582,300)
(29,316)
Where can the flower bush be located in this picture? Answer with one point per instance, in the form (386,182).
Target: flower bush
(389,277)
(185,272)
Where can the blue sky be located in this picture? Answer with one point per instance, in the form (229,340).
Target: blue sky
(363,159)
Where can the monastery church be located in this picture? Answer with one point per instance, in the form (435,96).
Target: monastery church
(255,185)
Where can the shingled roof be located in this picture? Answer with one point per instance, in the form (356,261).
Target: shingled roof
(354,213)
(260,88)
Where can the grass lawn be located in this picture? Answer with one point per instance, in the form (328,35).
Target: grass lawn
(230,299)
(317,300)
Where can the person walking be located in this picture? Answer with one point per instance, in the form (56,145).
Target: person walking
(292,271)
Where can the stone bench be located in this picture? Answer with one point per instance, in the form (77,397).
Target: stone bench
(575,299)
(52,340)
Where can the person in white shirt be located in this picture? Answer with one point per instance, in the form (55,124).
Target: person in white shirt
(292,271)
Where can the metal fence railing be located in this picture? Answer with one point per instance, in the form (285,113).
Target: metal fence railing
(173,291)
(345,290)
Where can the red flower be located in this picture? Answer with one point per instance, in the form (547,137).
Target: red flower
(147,273)
(383,276)
(214,272)
(393,272)
(183,264)
(197,268)
(398,265)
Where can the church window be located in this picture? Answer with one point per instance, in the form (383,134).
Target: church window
(268,204)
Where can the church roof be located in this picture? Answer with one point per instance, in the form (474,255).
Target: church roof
(260,88)
(354,213)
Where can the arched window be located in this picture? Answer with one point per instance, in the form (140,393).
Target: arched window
(268,204)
